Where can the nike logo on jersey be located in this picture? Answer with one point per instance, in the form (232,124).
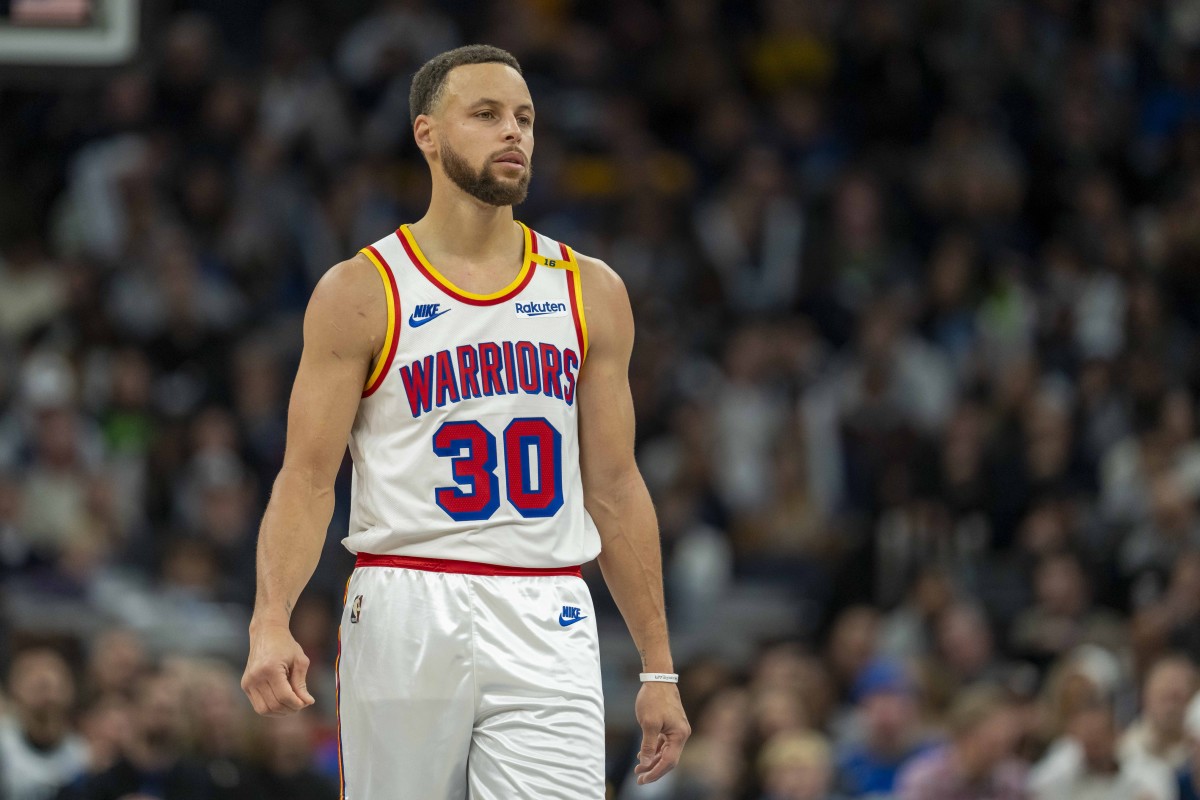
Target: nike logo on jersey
(545,309)
(426,312)
(569,616)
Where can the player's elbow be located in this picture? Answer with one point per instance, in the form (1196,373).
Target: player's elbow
(299,479)
(607,491)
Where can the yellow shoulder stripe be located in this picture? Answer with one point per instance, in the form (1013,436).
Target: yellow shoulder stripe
(388,342)
(573,266)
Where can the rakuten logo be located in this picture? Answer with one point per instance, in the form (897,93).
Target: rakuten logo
(546,309)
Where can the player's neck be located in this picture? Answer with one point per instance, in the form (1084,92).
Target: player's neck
(459,228)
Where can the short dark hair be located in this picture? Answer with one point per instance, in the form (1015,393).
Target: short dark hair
(430,79)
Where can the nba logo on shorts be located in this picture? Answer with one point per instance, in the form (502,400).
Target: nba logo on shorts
(356,609)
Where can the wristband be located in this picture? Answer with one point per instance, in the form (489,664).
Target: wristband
(658,677)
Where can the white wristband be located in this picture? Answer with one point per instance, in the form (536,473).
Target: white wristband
(658,677)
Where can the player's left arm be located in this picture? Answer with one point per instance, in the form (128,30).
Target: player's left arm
(616,497)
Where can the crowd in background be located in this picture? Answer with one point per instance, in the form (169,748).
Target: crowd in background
(917,292)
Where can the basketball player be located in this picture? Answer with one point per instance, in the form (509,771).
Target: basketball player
(479,371)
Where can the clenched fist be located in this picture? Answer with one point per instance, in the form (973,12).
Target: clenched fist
(275,672)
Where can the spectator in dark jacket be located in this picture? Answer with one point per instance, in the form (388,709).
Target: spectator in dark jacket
(153,766)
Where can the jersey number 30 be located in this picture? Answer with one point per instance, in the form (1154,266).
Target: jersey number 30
(532,468)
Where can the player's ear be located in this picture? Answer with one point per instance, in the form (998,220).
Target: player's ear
(423,134)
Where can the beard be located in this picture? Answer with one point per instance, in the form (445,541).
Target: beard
(482,184)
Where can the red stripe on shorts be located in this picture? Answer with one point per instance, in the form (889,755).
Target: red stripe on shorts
(460,567)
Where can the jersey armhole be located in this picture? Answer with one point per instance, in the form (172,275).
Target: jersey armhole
(383,361)
(575,292)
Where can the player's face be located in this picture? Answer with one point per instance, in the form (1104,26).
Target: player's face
(485,133)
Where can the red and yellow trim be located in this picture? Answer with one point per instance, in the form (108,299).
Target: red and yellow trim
(575,290)
(438,279)
(337,700)
(569,264)
(459,567)
(383,362)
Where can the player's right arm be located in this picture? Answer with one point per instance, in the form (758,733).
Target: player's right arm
(344,328)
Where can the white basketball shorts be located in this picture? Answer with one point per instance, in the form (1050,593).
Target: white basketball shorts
(462,681)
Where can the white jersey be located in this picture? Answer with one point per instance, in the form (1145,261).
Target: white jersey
(27,773)
(466,443)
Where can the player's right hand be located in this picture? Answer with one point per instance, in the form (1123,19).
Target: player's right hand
(275,672)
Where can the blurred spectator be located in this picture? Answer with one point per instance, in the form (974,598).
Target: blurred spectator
(189,60)
(907,633)
(712,771)
(717,768)
(964,652)
(1188,775)
(32,289)
(1063,616)
(153,762)
(1172,621)
(1089,677)
(285,771)
(220,720)
(979,761)
(39,752)
(1169,530)
(1158,733)
(301,105)
(18,554)
(796,766)
(61,452)
(852,642)
(775,711)
(1146,473)
(1085,765)
(105,725)
(752,233)
(115,663)
(891,731)
(748,414)
(221,522)
(315,626)
(861,260)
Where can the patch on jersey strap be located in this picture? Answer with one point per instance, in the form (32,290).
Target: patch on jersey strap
(557,263)
(541,308)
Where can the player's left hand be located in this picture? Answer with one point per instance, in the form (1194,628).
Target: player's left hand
(664,730)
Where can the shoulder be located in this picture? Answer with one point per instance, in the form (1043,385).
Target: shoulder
(349,305)
(598,276)
(605,302)
(354,281)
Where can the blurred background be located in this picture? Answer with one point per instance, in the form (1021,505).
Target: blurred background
(917,287)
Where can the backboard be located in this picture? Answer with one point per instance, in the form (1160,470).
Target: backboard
(68,32)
